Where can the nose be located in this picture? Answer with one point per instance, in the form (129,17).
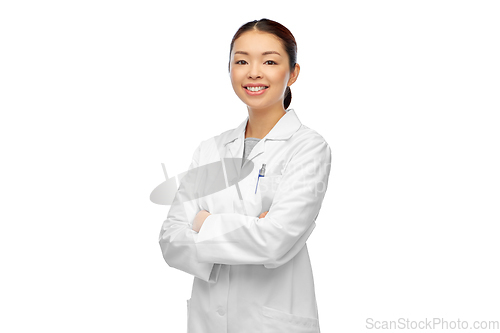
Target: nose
(254,72)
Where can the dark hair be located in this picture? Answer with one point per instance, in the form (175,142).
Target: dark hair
(280,31)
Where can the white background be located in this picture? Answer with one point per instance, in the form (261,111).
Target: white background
(95,95)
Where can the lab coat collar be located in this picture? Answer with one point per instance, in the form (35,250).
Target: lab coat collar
(286,126)
(283,130)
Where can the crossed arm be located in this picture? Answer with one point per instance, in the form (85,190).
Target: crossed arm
(271,239)
(203,214)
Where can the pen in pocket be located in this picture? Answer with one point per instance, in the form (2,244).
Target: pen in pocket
(262,172)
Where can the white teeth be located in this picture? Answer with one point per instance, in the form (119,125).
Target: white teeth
(255,88)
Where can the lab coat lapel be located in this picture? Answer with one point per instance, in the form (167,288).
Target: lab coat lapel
(234,151)
(286,126)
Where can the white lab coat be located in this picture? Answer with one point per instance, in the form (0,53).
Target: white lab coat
(253,275)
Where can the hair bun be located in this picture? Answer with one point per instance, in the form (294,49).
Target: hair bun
(288,97)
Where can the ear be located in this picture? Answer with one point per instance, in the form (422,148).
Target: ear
(294,75)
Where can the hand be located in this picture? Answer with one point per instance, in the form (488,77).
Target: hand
(261,216)
(199,219)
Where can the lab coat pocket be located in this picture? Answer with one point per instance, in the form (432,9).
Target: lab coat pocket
(275,321)
(268,186)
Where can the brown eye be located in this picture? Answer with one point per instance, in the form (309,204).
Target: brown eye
(240,62)
(270,62)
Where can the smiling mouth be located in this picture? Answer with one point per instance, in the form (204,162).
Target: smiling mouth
(256,88)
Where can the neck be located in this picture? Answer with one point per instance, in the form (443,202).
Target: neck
(261,121)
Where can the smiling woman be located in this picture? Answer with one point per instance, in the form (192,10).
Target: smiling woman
(245,244)
(263,61)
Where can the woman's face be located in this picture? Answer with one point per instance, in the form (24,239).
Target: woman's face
(260,70)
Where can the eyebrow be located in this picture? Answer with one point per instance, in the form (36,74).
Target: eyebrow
(264,53)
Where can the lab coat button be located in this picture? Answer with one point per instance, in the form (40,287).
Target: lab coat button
(221,312)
